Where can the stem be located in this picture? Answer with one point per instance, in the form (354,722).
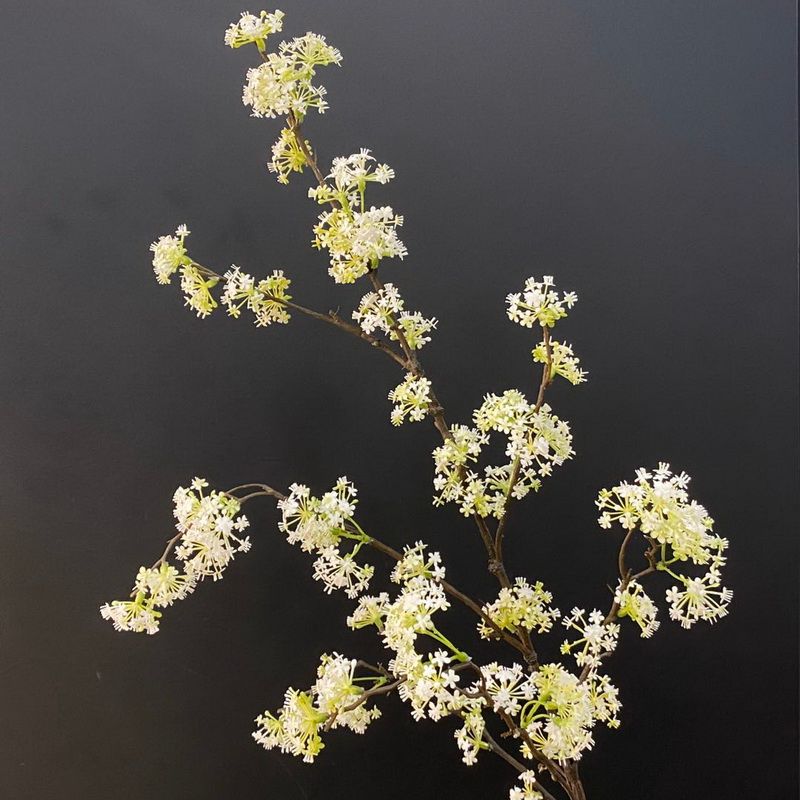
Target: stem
(544,382)
(573,785)
(436,410)
(626,578)
(331,318)
(520,767)
(413,364)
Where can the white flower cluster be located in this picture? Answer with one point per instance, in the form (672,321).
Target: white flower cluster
(210,530)
(210,536)
(411,398)
(318,525)
(429,685)
(385,309)
(169,254)
(252,29)
(283,83)
(428,682)
(595,638)
(266,299)
(153,589)
(416,563)
(562,361)
(332,702)
(288,156)
(520,607)
(508,687)
(349,176)
(469,737)
(196,288)
(698,599)
(556,710)
(406,617)
(537,441)
(539,303)
(658,505)
(635,604)
(358,240)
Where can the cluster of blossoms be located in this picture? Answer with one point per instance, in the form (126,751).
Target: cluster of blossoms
(537,441)
(356,238)
(252,29)
(346,183)
(658,505)
(209,535)
(635,604)
(384,311)
(596,637)
(334,701)
(521,607)
(411,398)
(320,525)
(428,682)
(283,85)
(288,156)
(562,361)
(196,287)
(539,304)
(550,711)
(266,299)
(564,709)
(169,254)
(556,709)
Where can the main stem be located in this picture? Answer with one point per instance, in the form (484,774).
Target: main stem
(492,542)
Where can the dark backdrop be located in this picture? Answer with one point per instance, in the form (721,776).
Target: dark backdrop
(644,153)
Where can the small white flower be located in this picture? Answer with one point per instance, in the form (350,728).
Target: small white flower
(526,791)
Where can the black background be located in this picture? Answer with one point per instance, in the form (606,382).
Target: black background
(642,152)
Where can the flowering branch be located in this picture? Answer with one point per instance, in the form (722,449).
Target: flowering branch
(549,708)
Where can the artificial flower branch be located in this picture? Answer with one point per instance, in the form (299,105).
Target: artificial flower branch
(548,708)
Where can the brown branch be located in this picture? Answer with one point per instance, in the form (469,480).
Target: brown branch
(514,730)
(363,698)
(413,364)
(626,578)
(331,318)
(435,408)
(294,127)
